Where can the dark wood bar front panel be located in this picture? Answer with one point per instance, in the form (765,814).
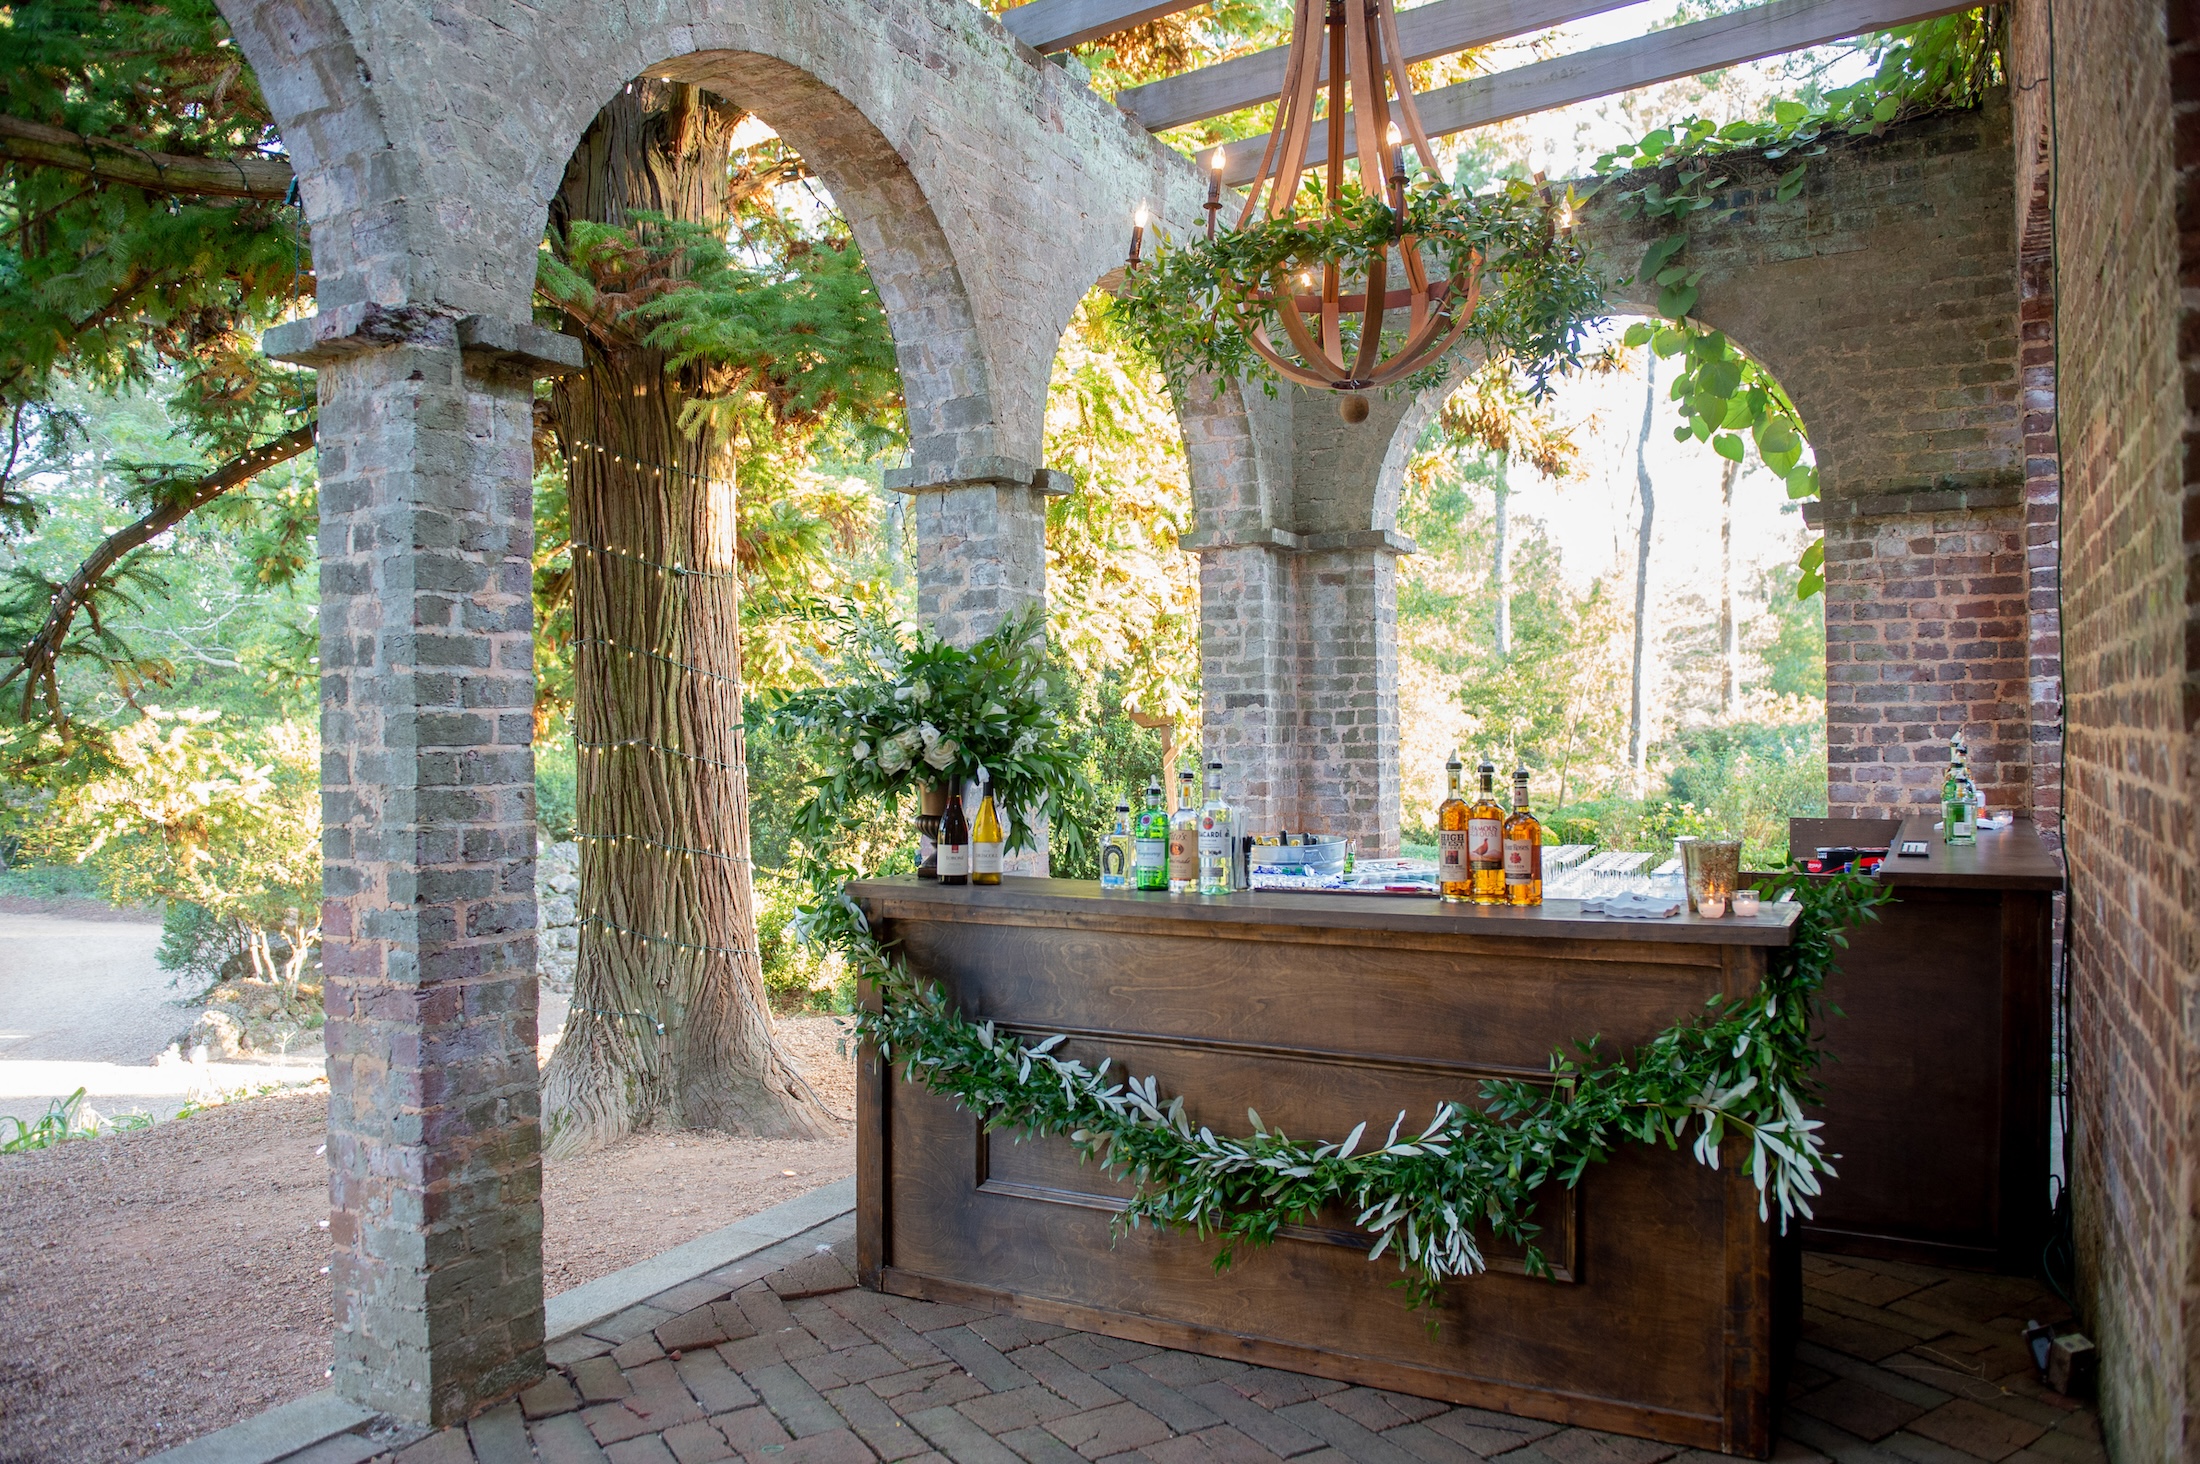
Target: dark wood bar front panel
(1320,1013)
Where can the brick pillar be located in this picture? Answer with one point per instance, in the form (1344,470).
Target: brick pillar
(2042,504)
(1348,687)
(427,782)
(1926,636)
(1248,654)
(982,557)
(981,543)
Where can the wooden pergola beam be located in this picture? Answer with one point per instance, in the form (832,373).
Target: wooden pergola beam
(1667,55)
(1056,25)
(1423,32)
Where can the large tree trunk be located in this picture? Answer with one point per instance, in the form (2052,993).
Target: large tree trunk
(1730,645)
(1502,569)
(669,1026)
(1637,748)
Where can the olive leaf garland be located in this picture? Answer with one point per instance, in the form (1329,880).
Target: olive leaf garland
(1744,1069)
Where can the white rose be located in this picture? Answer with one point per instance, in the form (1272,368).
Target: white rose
(940,754)
(860,752)
(893,757)
(929,733)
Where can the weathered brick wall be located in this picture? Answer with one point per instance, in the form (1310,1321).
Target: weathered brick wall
(2130,568)
(1925,638)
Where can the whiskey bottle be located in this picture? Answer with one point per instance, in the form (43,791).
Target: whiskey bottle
(985,840)
(1486,840)
(1523,849)
(1216,838)
(1115,852)
(954,842)
(1150,850)
(1184,839)
(1454,877)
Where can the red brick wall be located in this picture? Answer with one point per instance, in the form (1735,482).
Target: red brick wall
(2130,658)
(1925,638)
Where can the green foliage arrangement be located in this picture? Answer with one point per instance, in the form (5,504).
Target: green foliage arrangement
(1741,1073)
(902,708)
(1197,304)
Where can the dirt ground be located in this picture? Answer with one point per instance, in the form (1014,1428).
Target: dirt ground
(157,1285)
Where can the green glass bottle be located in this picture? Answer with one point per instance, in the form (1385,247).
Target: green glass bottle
(1959,816)
(1150,861)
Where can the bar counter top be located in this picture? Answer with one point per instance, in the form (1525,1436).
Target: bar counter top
(2014,858)
(1079,902)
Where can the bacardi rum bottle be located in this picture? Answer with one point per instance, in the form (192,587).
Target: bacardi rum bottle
(1486,839)
(1184,839)
(1216,836)
(1523,849)
(1150,850)
(1454,876)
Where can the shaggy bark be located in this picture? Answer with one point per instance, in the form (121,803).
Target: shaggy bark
(669,1026)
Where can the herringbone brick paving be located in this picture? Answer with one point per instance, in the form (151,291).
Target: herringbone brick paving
(1897,1363)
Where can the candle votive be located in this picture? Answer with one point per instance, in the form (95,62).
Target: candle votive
(1711,907)
(1745,904)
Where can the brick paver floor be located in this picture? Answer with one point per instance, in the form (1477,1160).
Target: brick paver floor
(1896,1362)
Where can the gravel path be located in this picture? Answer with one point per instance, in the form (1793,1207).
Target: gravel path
(159,1285)
(85,989)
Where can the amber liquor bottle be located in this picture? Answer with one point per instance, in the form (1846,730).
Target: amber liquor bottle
(1454,877)
(1486,839)
(1184,838)
(1523,849)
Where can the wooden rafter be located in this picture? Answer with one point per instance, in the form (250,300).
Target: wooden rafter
(1056,25)
(1424,32)
(1667,55)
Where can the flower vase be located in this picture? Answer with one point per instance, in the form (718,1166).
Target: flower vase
(931,803)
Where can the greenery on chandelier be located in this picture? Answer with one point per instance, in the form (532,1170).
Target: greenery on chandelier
(1196,304)
(1727,399)
(1734,1078)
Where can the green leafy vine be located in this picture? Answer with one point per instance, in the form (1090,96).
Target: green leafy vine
(1743,1070)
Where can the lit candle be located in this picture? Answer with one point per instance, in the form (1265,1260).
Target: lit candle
(1711,907)
(1138,235)
(1214,188)
(1745,904)
(1397,179)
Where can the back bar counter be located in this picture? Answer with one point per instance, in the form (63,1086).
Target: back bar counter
(1669,1297)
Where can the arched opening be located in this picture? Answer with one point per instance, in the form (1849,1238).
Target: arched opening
(1122,596)
(1548,533)
(710,497)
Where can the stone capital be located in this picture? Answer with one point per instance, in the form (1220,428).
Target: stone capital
(353,330)
(1005,472)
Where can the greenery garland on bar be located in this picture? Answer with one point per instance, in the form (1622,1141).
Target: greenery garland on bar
(1744,1069)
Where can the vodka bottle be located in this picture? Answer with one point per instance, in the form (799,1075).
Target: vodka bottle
(1217,834)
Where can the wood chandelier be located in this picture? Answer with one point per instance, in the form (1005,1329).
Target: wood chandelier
(1345,335)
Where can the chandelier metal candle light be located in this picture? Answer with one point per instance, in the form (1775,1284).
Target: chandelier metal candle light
(1351,330)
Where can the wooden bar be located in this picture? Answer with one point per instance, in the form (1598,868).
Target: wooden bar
(1938,1089)
(1667,1312)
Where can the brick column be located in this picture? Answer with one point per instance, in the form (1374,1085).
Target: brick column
(1248,655)
(427,782)
(982,557)
(981,542)
(1348,687)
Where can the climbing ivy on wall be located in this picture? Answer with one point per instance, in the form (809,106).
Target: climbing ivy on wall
(1725,398)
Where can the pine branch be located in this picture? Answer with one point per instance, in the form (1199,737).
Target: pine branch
(34,143)
(40,656)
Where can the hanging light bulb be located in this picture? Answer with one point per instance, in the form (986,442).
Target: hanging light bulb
(1138,235)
